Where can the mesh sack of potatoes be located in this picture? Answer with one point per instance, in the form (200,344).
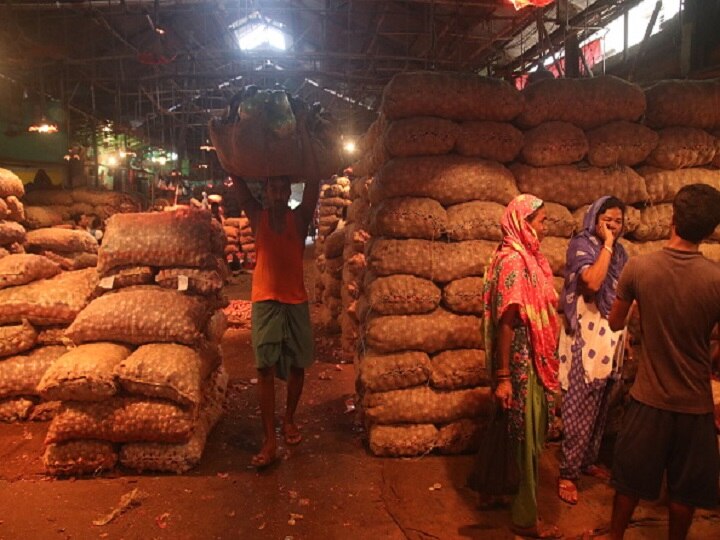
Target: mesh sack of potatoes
(587,103)
(15,209)
(4,210)
(139,315)
(709,250)
(329,220)
(460,437)
(458,368)
(408,217)
(630,224)
(122,419)
(61,240)
(10,184)
(357,211)
(335,243)
(683,103)
(573,185)
(326,211)
(24,268)
(555,251)
(464,295)
(20,374)
(457,96)
(52,335)
(620,143)
(474,220)
(437,261)
(332,285)
(420,136)
(167,239)
(72,261)
(383,372)
(682,147)
(17,338)
(447,179)
(558,221)
(11,232)
(424,405)
(334,266)
(85,373)
(193,280)
(49,197)
(96,197)
(332,190)
(554,143)
(402,440)
(402,294)
(358,239)
(327,319)
(716,160)
(496,141)
(127,276)
(57,300)
(663,185)
(432,332)
(77,458)
(216,327)
(654,223)
(15,409)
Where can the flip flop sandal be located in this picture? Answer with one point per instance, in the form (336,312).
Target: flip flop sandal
(547,532)
(292,439)
(565,485)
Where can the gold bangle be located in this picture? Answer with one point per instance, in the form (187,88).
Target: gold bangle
(610,250)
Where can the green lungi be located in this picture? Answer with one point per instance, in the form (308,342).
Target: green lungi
(282,336)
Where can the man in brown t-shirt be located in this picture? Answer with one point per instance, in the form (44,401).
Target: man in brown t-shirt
(668,426)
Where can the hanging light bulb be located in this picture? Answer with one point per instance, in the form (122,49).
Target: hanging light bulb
(43,126)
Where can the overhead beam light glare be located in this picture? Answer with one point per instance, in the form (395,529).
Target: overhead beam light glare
(349,147)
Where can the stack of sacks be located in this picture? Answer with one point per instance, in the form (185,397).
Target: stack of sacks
(37,303)
(145,383)
(12,214)
(232,233)
(71,249)
(434,215)
(329,276)
(50,207)
(353,272)
(334,198)
(245,237)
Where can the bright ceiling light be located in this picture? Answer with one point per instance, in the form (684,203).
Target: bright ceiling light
(349,147)
(258,35)
(112,161)
(43,127)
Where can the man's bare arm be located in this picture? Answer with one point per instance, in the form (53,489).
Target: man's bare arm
(311,194)
(246,201)
(618,314)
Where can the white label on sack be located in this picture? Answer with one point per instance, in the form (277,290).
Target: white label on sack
(182,283)
(107,282)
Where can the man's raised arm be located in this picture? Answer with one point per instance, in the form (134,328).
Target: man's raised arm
(246,201)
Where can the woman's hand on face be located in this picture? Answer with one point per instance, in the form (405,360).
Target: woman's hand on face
(503,393)
(606,234)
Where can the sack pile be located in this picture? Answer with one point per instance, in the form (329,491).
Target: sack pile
(50,207)
(71,249)
(145,383)
(245,237)
(12,214)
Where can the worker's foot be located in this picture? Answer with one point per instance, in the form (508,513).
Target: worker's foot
(492,502)
(540,530)
(567,491)
(266,456)
(597,471)
(291,434)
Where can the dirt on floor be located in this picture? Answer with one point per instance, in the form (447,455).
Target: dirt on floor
(328,487)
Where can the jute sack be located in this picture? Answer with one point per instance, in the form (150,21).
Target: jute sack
(682,147)
(165,239)
(24,268)
(20,375)
(4,210)
(420,136)
(559,221)
(620,143)
(122,419)
(464,295)
(663,185)
(61,240)
(460,437)
(573,185)
(496,141)
(72,261)
(335,243)
(433,332)
(52,335)
(194,280)
(85,373)
(436,261)
(77,458)
(402,294)
(383,372)
(654,223)
(587,103)
(10,184)
(15,209)
(424,405)
(11,232)
(402,440)
(181,457)
(127,276)
(332,285)
(16,338)
(139,315)
(683,103)
(49,197)
(711,251)
(452,95)
(447,179)
(408,217)
(555,251)
(554,143)
(459,368)
(57,300)
(15,409)
(474,220)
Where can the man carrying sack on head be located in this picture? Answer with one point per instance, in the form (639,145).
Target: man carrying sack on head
(281,330)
